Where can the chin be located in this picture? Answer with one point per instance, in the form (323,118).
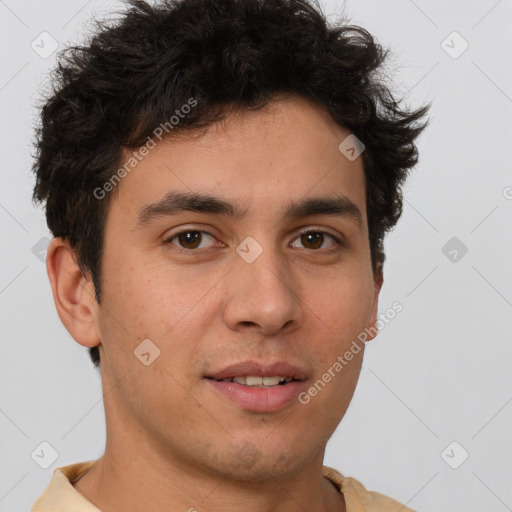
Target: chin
(252,462)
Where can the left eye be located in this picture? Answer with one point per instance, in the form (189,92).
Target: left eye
(192,239)
(316,238)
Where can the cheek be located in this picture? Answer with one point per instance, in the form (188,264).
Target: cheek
(152,299)
(172,309)
(341,311)
(344,305)
(328,397)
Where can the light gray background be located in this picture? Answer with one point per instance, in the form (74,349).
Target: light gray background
(438,373)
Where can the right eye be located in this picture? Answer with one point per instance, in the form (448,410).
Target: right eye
(188,239)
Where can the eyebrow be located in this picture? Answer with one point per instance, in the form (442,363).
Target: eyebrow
(175,202)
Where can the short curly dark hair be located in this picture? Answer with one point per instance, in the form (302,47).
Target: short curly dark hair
(229,55)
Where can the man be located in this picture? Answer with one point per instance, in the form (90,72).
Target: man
(219,177)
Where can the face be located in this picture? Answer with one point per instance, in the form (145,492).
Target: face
(299,290)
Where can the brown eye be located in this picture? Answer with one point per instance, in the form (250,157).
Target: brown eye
(314,239)
(189,239)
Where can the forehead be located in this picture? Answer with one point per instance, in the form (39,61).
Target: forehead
(283,152)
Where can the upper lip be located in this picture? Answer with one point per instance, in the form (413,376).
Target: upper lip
(260,369)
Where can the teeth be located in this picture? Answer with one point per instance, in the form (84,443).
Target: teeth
(255,381)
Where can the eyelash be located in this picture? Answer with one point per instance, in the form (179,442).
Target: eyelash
(338,242)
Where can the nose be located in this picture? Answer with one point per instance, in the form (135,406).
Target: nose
(262,296)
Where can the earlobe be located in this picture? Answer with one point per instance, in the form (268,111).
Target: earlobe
(73,293)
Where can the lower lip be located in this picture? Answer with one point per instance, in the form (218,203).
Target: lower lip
(269,399)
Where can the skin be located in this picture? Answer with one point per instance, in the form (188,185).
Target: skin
(172,440)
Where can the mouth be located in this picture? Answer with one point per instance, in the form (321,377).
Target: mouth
(258,373)
(259,387)
(255,381)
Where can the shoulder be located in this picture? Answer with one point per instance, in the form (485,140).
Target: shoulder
(360,499)
(60,495)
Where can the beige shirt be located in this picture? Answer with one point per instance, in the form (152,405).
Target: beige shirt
(61,496)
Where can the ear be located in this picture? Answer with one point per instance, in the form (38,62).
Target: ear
(378,279)
(73,293)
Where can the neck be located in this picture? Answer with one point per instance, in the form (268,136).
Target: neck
(128,482)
